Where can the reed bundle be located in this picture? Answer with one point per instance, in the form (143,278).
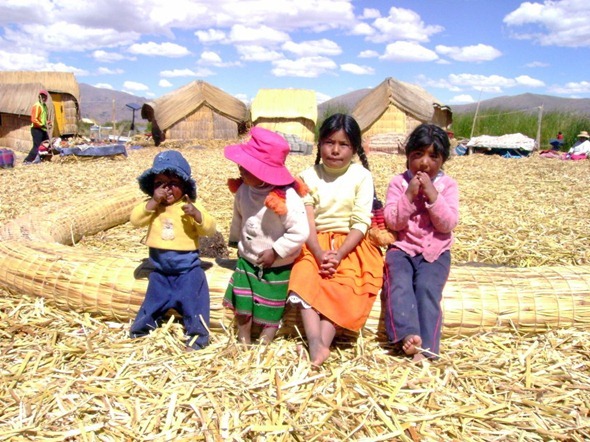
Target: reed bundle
(475,299)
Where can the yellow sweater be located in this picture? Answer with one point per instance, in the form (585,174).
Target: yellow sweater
(171,228)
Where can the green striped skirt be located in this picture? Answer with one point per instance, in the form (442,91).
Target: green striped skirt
(256,293)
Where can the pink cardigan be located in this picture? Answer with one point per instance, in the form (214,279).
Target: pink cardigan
(422,227)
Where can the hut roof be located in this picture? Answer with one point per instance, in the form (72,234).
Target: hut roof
(408,97)
(176,105)
(285,103)
(58,82)
(18,98)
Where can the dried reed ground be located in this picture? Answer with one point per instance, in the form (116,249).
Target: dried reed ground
(71,376)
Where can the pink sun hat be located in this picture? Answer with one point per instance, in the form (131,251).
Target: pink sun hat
(263,156)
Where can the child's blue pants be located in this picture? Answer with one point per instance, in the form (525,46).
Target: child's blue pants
(412,295)
(187,293)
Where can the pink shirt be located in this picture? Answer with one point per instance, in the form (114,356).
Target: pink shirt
(422,227)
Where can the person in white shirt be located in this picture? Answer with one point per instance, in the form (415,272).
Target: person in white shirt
(580,149)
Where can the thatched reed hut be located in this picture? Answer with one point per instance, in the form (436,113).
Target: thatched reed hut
(197,110)
(290,111)
(393,109)
(19,90)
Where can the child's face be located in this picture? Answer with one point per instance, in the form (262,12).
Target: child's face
(171,186)
(249,179)
(336,150)
(425,159)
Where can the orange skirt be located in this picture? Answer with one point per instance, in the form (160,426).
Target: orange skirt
(348,297)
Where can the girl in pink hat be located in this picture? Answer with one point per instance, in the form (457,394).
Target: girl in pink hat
(339,273)
(270,226)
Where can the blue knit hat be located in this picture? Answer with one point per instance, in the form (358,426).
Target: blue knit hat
(173,162)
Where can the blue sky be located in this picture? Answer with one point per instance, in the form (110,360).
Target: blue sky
(458,50)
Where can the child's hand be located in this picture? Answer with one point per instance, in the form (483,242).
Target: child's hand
(158,198)
(160,195)
(266,258)
(190,209)
(413,188)
(427,187)
(329,263)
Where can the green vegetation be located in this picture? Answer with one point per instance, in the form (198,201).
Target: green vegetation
(496,122)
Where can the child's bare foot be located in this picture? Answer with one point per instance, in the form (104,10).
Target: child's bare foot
(302,352)
(410,344)
(418,357)
(318,354)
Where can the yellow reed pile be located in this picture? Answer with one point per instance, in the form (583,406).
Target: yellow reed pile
(66,375)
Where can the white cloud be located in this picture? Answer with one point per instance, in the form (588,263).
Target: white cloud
(103,86)
(475,53)
(362,29)
(308,67)
(67,37)
(312,48)
(109,71)
(61,67)
(159,49)
(257,53)
(356,69)
(403,24)
(525,80)
(19,11)
(370,13)
(106,57)
(369,54)
(174,73)
(135,86)
(462,99)
(537,64)
(582,87)
(20,61)
(552,23)
(260,35)
(441,83)
(403,51)
(243,98)
(492,83)
(210,36)
(210,58)
(164,83)
(320,97)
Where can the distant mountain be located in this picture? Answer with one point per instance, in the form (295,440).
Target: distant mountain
(97,104)
(343,103)
(103,105)
(529,102)
(524,102)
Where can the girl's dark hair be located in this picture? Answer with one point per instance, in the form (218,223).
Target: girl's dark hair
(352,130)
(427,134)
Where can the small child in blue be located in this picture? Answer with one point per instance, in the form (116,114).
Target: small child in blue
(175,221)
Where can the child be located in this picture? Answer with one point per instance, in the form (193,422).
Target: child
(336,279)
(175,221)
(422,207)
(270,226)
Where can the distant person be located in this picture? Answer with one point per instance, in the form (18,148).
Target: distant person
(580,149)
(422,208)
(39,126)
(557,143)
(175,221)
(337,277)
(269,225)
